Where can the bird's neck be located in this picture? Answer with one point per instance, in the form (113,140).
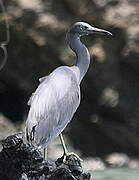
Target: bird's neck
(82,54)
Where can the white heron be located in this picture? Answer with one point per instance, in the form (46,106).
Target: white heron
(57,98)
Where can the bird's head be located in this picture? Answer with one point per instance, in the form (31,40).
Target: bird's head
(82,28)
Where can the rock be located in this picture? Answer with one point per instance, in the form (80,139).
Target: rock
(117,160)
(91,164)
(25,161)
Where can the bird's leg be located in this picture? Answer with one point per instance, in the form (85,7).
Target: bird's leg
(45,154)
(63,144)
(66,153)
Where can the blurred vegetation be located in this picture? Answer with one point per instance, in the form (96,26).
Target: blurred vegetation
(108,117)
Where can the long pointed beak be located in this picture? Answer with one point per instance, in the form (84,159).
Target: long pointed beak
(93,30)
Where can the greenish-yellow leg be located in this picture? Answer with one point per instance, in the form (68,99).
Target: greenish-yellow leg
(66,153)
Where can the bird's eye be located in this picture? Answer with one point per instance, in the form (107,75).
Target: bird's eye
(83,27)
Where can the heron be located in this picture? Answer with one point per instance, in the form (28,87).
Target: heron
(57,97)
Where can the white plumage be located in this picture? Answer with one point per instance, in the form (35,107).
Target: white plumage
(53,105)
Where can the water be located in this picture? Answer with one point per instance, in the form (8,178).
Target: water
(116,174)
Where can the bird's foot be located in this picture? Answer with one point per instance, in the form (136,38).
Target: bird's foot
(73,154)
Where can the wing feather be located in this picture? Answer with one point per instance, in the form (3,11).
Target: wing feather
(53,105)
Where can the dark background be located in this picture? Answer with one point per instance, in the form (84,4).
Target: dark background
(108,117)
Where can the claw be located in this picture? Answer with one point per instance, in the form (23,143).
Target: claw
(69,154)
(66,153)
